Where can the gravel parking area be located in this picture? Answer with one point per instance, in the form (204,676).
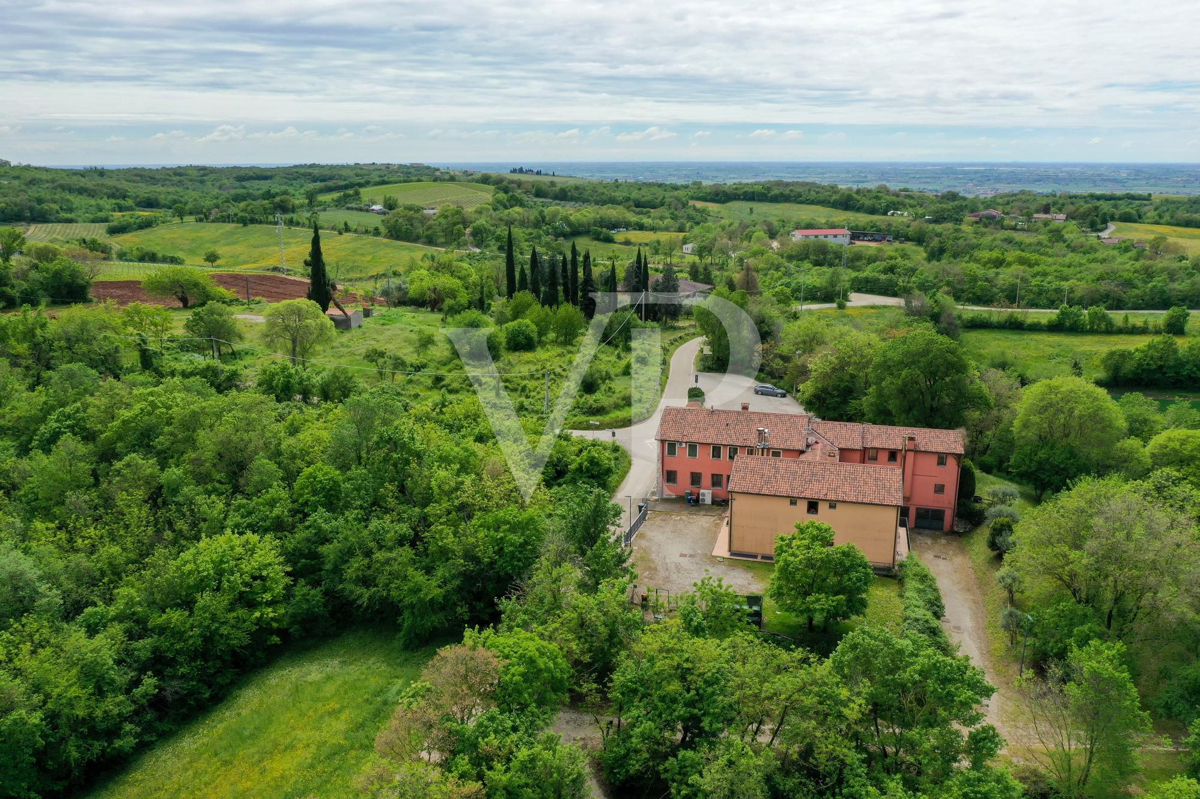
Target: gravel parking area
(673,550)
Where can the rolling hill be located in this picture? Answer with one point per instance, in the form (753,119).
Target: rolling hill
(348,257)
(428,194)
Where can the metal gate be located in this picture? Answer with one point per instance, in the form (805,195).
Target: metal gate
(636,524)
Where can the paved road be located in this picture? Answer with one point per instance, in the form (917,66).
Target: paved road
(721,391)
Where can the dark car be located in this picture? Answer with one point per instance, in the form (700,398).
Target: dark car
(769,390)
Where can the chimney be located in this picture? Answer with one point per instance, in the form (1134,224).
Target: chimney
(745,406)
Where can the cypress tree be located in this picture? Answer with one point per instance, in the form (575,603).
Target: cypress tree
(535,275)
(573,289)
(318,279)
(612,277)
(565,281)
(550,300)
(586,301)
(523,280)
(510,268)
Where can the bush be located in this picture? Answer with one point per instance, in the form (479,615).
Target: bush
(1002,512)
(520,336)
(1003,495)
(336,384)
(1000,535)
(695,394)
(966,480)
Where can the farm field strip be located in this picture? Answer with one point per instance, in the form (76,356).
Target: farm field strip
(1186,237)
(748,211)
(64,231)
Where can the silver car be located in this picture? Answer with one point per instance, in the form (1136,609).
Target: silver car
(766,389)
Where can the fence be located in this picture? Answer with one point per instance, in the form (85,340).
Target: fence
(636,524)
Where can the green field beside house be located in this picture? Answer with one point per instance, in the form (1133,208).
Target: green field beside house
(348,257)
(336,216)
(747,211)
(1188,238)
(303,726)
(429,194)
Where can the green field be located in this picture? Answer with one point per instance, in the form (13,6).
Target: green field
(336,216)
(429,194)
(647,236)
(745,211)
(126,270)
(1186,237)
(1039,355)
(348,257)
(303,726)
(63,231)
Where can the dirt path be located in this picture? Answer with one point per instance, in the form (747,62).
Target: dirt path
(965,619)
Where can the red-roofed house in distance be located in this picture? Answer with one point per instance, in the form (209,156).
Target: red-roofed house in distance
(834,235)
(699,450)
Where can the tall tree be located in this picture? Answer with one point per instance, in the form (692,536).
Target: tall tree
(668,284)
(297,325)
(922,379)
(574,285)
(815,579)
(550,298)
(318,279)
(586,301)
(535,274)
(565,282)
(523,280)
(510,267)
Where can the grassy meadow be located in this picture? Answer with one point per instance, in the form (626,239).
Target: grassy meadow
(336,216)
(748,211)
(429,194)
(303,726)
(348,256)
(1039,355)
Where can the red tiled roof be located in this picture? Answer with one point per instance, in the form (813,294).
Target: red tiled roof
(824,480)
(823,231)
(733,428)
(791,431)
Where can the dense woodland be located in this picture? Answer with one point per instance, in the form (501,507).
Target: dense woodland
(172,511)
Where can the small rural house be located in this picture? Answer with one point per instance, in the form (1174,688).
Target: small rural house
(689,249)
(834,235)
(989,214)
(800,467)
(1049,217)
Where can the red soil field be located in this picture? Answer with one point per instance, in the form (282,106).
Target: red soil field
(272,288)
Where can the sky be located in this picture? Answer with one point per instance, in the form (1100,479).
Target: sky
(250,81)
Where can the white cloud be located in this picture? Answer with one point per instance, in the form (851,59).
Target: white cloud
(8,130)
(652,133)
(225,133)
(763,133)
(1095,140)
(702,134)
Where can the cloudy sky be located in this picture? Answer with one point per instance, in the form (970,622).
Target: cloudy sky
(257,81)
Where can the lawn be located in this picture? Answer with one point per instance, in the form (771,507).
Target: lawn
(303,726)
(602,251)
(429,194)
(747,211)
(63,231)
(1186,237)
(347,257)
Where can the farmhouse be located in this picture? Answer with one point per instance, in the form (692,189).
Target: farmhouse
(990,213)
(687,288)
(803,467)
(1049,217)
(689,249)
(377,209)
(835,235)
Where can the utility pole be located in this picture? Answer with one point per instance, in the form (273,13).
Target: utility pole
(1018,290)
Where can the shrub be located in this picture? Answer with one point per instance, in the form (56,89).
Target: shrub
(923,606)
(1003,494)
(1000,535)
(1002,512)
(336,384)
(966,480)
(695,394)
(520,336)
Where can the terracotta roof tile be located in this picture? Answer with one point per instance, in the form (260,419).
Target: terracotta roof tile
(791,431)
(734,428)
(824,480)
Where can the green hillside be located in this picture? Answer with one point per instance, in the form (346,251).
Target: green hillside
(745,211)
(348,256)
(303,726)
(1186,237)
(430,194)
(62,231)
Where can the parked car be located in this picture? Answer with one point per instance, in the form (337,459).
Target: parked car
(769,390)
